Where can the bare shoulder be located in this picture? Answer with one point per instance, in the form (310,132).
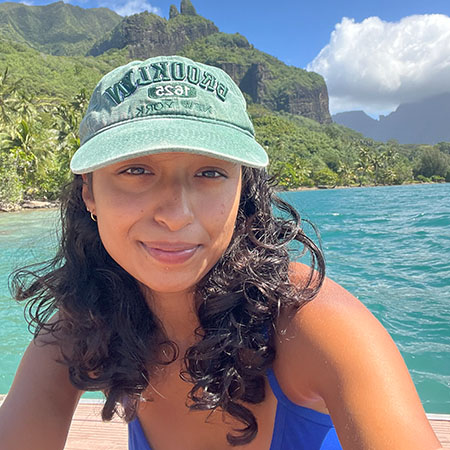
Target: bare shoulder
(41,397)
(336,350)
(318,336)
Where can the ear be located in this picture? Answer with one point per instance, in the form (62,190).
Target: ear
(87,193)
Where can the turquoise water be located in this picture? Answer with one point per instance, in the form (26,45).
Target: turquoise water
(389,246)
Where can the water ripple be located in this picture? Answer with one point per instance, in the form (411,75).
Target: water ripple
(389,246)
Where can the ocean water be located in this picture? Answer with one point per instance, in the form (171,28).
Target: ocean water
(389,246)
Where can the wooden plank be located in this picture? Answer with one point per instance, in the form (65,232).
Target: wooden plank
(116,433)
(442,430)
(89,431)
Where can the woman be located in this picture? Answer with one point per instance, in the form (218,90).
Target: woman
(175,296)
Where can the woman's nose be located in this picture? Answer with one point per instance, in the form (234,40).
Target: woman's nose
(174,210)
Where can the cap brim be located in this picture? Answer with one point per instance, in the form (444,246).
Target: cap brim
(157,135)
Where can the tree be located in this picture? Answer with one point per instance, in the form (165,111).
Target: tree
(364,166)
(346,173)
(11,191)
(433,162)
(8,97)
(444,147)
(325,177)
(293,173)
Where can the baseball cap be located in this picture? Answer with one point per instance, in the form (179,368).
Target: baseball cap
(166,104)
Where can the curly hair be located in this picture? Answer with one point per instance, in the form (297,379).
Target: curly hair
(111,341)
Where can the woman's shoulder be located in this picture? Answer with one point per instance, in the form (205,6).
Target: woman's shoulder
(313,341)
(332,306)
(324,330)
(335,350)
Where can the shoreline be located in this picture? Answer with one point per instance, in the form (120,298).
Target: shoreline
(29,205)
(44,204)
(324,188)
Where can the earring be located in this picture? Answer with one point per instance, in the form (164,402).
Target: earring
(94,218)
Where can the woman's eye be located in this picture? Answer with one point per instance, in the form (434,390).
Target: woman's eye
(136,171)
(210,173)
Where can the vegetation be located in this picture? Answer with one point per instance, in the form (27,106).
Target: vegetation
(37,140)
(43,98)
(221,49)
(69,30)
(305,153)
(39,136)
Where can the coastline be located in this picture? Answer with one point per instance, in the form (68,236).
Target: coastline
(323,188)
(29,204)
(44,204)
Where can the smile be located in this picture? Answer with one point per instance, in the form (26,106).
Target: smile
(170,253)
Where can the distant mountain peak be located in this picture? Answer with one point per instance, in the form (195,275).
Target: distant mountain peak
(426,121)
(173,12)
(187,8)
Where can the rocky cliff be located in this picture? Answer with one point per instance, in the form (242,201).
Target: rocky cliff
(265,79)
(147,34)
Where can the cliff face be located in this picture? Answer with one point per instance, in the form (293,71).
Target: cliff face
(294,98)
(311,103)
(148,35)
(254,82)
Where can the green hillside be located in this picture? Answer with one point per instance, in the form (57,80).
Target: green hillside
(57,28)
(278,82)
(55,77)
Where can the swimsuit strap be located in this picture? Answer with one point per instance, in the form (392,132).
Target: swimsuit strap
(305,413)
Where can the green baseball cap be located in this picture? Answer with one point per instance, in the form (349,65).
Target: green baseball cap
(166,104)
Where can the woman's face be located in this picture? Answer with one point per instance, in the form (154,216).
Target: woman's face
(166,218)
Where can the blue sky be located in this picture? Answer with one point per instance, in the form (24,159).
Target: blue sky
(386,60)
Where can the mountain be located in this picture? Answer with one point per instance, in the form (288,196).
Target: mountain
(423,122)
(57,28)
(96,34)
(147,34)
(265,79)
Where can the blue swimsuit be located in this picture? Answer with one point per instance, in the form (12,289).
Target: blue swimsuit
(295,428)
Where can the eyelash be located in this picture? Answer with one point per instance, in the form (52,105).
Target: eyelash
(142,171)
(132,169)
(220,174)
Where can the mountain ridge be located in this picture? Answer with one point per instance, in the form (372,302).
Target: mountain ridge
(57,28)
(426,121)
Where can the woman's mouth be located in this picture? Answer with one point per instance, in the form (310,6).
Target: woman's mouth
(170,252)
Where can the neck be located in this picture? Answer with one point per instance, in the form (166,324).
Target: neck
(176,312)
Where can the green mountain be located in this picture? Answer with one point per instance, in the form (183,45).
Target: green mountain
(147,34)
(265,79)
(56,78)
(57,28)
(65,30)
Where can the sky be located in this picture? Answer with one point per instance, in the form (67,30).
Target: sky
(373,55)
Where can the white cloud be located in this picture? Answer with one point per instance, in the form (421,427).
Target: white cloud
(376,65)
(132,7)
